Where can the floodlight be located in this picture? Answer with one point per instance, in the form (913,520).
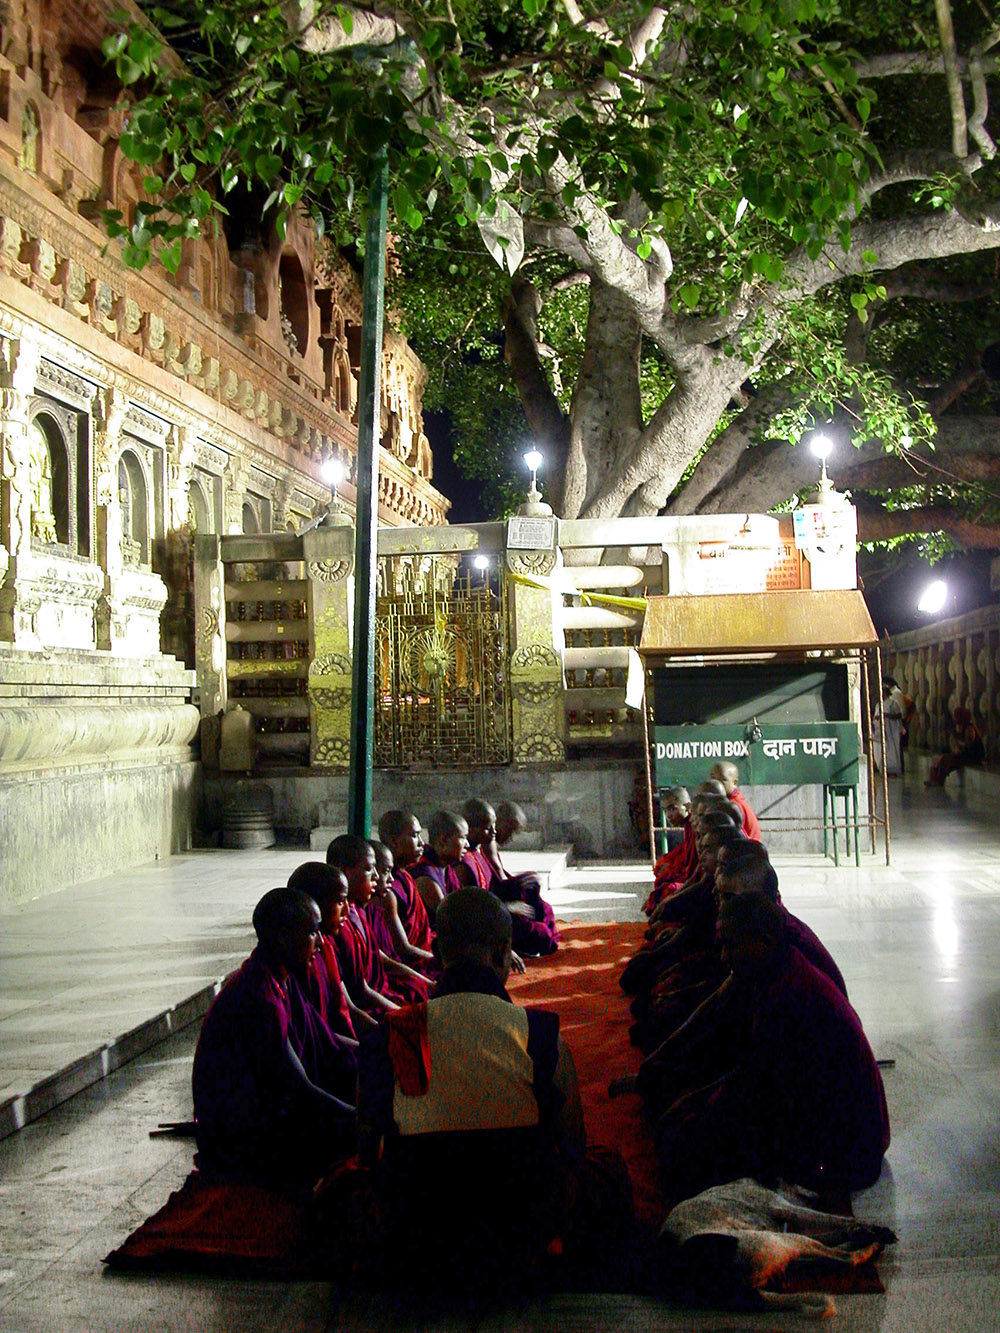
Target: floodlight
(933,597)
(332,472)
(481,562)
(822,446)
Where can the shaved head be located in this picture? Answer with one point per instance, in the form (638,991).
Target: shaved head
(474,926)
(728,774)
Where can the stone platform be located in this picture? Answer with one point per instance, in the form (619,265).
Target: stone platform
(918,943)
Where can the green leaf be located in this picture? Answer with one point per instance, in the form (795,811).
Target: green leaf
(690,294)
(152,184)
(170,256)
(189,171)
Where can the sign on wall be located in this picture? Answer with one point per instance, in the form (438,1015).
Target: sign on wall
(796,753)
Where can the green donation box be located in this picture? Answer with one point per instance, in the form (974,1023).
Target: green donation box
(767,754)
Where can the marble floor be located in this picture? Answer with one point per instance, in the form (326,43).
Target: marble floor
(918,942)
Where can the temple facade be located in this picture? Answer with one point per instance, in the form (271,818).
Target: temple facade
(136,410)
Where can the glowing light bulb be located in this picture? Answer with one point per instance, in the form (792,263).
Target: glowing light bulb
(481,562)
(533,460)
(933,597)
(822,446)
(332,472)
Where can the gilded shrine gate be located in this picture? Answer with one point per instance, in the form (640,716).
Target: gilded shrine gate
(441,692)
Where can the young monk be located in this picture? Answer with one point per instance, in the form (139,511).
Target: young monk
(360,962)
(438,872)
(728,774)
(471,1110)
(327,886)
(401,832)
(534,923)
(272,1101)
(382,913)
(677,865)
(806,1103)
(511,820)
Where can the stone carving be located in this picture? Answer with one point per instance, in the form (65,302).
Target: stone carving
(331,700)
(535,691)
(333,752)
(534,655)
(43,523)
(36,734)
(330,664)
(537,563)
(331,571)
(538,748)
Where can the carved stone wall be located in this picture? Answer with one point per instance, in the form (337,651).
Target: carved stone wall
(948,665)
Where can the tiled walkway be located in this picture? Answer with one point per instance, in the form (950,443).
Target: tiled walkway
(919,944)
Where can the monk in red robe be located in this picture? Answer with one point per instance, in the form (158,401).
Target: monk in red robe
(361,964)
(674,867)
(729,775)
(533,921)
(382,913)
(401,832)
(327,886)
(805,1103)
(273,1088)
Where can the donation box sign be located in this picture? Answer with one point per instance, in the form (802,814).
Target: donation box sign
(788,753)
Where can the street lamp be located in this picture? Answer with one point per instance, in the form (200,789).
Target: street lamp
(533,461)
(822,447)
(933,597)
(333,473)
(482,563)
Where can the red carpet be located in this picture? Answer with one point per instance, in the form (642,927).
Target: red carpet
(580,982)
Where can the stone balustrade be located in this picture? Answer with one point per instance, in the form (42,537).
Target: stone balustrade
(947,665)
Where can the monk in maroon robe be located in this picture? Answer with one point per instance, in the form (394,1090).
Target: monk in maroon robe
(400,831)
(327,886)
(361,964)
(272,1086)
(533,921)
(382,915)
(805,1103)
(439,870)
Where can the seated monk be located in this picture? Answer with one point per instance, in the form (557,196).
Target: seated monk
(743,867)
(534,923)
(382,913)
(439,870)
(327,887)
(690,964)
(360,961)
(471,1112)
(805,1104)
(401,832)
(709,814)
(272,1101)
(728,774)
(511,820)
(675,866)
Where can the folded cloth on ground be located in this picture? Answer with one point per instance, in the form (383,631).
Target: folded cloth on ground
(729,1243)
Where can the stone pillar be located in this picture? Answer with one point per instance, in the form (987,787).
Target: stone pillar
(19,603)
(109,418)
(536,673)
(210,641)
(175,559)
(328,552)
(234,494)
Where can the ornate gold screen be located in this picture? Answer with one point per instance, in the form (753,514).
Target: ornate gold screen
(442,651)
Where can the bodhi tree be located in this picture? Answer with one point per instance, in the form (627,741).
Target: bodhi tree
(685,235)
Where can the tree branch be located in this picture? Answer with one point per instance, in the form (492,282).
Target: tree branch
(896,242)
(720,460)
(878,525)
(949,56)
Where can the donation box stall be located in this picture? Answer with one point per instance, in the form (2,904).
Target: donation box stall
(776,683)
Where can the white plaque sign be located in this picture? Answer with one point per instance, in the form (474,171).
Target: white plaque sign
(531,534)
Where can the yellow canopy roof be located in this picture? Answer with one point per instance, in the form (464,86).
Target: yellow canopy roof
(737,624)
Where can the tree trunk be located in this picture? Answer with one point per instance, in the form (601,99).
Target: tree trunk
(606,413)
